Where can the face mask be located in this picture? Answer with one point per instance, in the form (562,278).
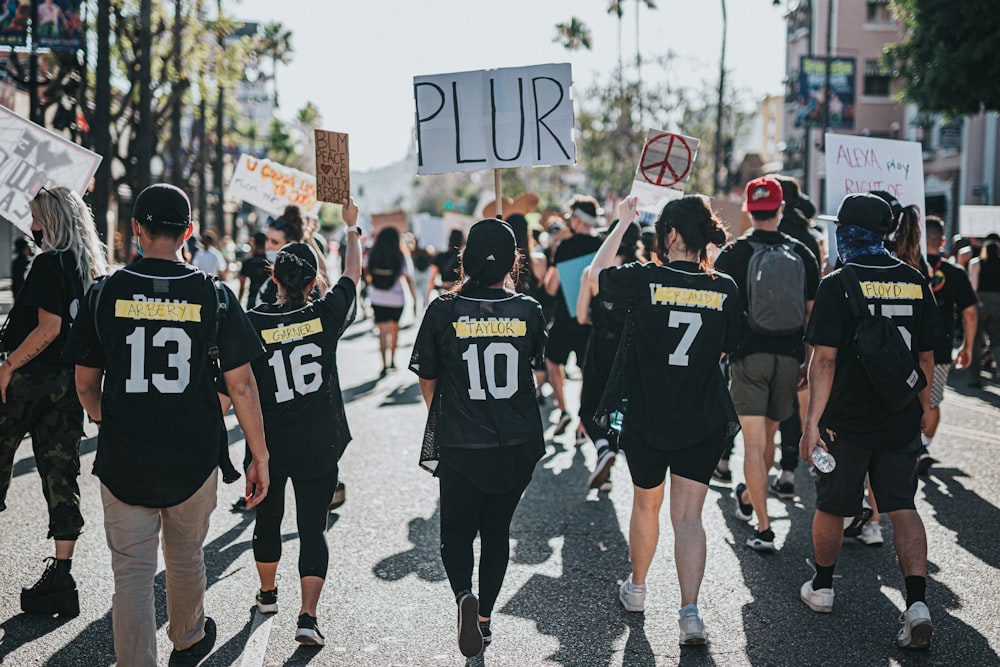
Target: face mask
(38,235)
(271,255)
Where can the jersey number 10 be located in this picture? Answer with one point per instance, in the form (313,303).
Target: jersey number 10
(490,354)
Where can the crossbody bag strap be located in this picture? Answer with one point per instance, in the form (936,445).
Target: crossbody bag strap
(852,288)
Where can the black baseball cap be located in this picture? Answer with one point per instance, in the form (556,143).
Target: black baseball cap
(489,251)
(163,204)
(864,210)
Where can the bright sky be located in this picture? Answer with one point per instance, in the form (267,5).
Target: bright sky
(356,60)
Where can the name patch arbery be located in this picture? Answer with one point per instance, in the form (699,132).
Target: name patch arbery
(680,296)
(490,328)
(873,290)
(168,311)
(292,332)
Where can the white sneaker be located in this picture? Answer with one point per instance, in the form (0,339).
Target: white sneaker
(916,629)
(871,534)
(632,597)
(819,601)
(692,627)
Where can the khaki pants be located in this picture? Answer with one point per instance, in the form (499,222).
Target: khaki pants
(133,536)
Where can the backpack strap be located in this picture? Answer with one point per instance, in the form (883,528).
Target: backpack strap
(852,288)
(221,303)
(94,303)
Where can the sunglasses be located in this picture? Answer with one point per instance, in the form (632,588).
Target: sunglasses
(46,191)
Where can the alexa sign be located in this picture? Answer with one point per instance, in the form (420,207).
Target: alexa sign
(487,119)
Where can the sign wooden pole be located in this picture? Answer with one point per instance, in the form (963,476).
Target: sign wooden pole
(498,192)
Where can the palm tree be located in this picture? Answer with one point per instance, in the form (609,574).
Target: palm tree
(276,44)
(574,35)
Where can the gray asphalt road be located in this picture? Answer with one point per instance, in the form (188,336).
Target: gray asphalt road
(387,601)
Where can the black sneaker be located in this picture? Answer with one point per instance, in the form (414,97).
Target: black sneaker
(267,601)
(193,654)
(720,475)
(762,540)
(605,459)
(744,511)
(853,527)
(564,420)
(484,630)
(470,638)
(339,496)
(54,593)
(784,490)
(924,462)
(308,632)
(240,505)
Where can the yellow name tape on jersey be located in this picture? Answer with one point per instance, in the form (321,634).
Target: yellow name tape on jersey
(874,290)
(680,296)
(490,328)
(292,332)
(158,310)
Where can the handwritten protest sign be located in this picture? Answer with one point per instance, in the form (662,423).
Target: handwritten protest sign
(664,168)
(395,219)
(863,164)
(333,171)
(486,119)
(32,157)
(271,186)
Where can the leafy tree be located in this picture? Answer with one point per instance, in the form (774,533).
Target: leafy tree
(574,35)
(276,44)
(948,59)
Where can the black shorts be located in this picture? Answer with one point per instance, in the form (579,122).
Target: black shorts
(892,474)
(387,314)
(566,337)
(649,466)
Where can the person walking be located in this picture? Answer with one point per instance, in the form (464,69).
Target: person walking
(209,258)
(984,273)
(444,266)
(304,419)
(255,269)
(474,355)
(777,277)
(149,345)
(387,268)
(679,414)
(37,387)
(850,419)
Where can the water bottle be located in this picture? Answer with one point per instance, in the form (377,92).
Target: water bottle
(618,416)
(823,460)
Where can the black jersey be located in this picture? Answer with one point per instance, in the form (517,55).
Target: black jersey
(480,345)
(52,284)
(892,289)
(304,418)
(150,330)
(685,319)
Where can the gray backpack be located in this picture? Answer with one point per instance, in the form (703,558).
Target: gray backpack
(776,286)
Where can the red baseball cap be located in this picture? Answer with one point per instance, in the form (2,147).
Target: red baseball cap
(763,194)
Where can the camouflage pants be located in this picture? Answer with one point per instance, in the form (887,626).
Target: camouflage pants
(41,400)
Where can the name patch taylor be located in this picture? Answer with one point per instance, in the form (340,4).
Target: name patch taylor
(490,328)
(157,310)
(292,332)
(681,296)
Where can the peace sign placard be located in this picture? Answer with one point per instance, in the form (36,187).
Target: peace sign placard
(664,168)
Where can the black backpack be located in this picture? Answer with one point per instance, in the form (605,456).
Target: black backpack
(887,360)
(384,278)
(776,286)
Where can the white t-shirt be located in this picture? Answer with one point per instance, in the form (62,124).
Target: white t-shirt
(210,261)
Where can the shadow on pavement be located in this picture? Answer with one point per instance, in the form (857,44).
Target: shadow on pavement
(359,391)
(580,606)
(965,512)
(423,560)
(408,395)
(23,629)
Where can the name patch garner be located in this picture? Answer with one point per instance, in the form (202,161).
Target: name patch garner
(292,332)
(681,296)
(168,311)
(467,328)
(873,290)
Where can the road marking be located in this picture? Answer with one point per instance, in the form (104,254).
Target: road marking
(972,434)
(256,646)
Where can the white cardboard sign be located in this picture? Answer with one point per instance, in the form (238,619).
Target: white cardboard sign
(862,164)
(663,169)
(271,186)
(32,157)
(486,119)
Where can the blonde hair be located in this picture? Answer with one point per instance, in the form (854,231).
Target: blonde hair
(68,225)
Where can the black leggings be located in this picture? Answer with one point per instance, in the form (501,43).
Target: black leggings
(791,433)
(466,511)
(596,370)
(312,505)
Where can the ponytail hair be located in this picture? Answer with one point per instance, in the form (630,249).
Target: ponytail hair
(907,238)
(295,268)
(696,224)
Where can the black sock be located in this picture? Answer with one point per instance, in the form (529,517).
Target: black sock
(824,577)
(916,587)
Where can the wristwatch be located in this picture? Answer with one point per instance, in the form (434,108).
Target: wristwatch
(355,229)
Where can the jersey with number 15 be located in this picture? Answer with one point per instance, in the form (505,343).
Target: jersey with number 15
(481,345)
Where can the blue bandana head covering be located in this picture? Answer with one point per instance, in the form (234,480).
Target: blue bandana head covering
(854,241)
